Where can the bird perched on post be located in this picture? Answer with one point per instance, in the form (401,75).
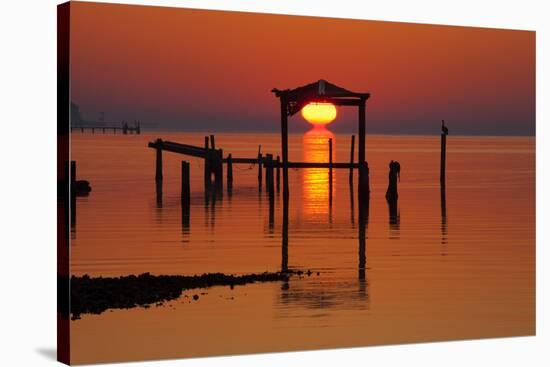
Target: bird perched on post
(444,129)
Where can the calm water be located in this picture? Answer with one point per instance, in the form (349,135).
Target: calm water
(430,275)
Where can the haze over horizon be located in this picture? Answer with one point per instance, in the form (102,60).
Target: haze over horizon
(197,70)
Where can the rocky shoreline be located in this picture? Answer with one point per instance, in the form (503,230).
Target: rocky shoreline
(96,295)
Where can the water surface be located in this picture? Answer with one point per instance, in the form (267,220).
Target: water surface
(429,272)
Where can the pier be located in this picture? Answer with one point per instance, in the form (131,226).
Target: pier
(124,128)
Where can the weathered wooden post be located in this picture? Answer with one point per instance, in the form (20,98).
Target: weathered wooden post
(363,187)
(352,152)
(185,186)
(158,173)
(391,193)
(207,172)
(72,189)
(212,142)
(444,133)
(229,173)
(363,180)
(185,195)
(278,173)
(270,188)
(218,173)
(284,140)
(73,177)
(266,169)
(260,171)
(330,170)
(270,177)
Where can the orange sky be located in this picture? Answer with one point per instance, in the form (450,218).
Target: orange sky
(211,70)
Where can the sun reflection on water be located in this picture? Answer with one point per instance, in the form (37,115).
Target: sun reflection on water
(315,183)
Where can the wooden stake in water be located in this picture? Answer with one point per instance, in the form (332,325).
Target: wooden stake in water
(260,168)
(352,153)
(330,169)
(229,172)
(444,133)
(158,173)
(278,173)
(185,186)
(207,172)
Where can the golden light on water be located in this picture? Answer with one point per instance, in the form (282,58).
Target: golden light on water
(316,180)
(319,113)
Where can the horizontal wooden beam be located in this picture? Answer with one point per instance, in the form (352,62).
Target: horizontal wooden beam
(179,148)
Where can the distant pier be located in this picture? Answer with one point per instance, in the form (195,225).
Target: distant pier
(124,128)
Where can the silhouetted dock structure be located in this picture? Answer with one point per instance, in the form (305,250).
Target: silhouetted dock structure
(269,166)
(124,128)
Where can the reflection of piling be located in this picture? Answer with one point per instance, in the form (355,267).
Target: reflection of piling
(363,221)
(229,173)
(352,153)
(393,219)
(284,246)
(352,203)
(443,216)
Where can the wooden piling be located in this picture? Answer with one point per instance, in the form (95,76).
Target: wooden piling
(278,173)
(218,173)
(260,171)
(269,159)
(391,192)
(73,177)
(185,186)
(158,173)
(207,172)
(330,169)
(284,141)
(363,167)
(351,158)
(212,142)
(269,177)
(443,154)
(364,189)
(72,191)
(270,189)
(229,172)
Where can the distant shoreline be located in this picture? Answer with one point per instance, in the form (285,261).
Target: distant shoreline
(205,133)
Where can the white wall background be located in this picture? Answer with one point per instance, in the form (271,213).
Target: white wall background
(28,182)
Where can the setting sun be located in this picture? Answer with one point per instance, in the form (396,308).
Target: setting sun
(319,113)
